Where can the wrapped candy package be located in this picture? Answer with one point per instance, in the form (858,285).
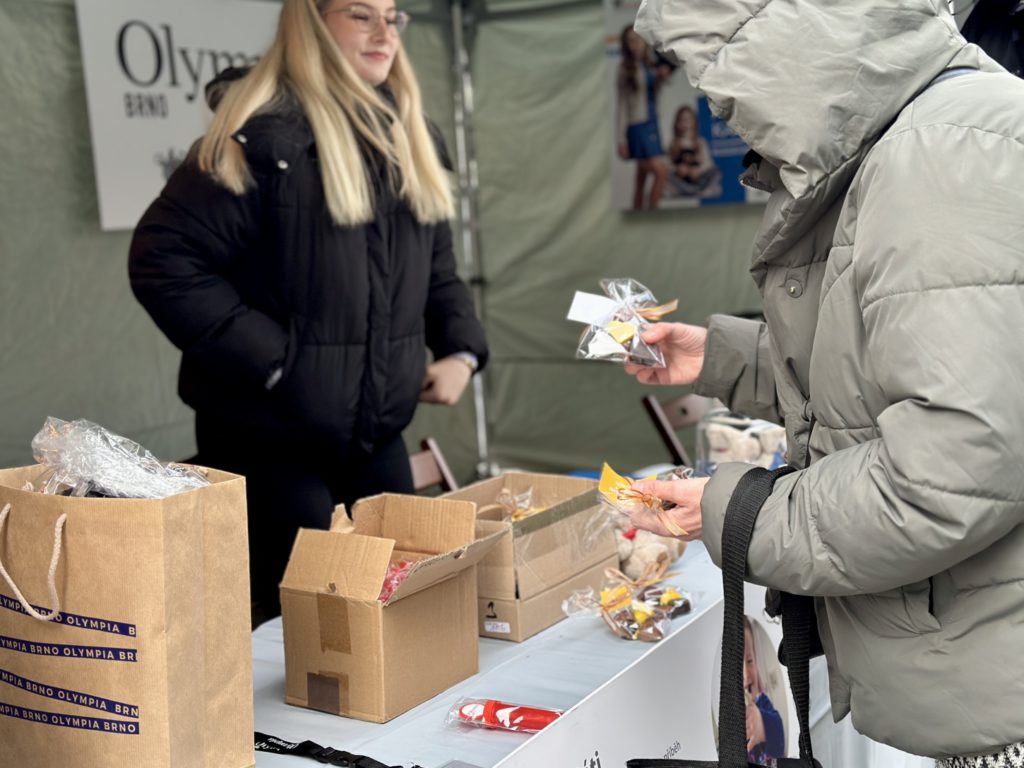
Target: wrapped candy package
(514,506)
(640,609)
(397,573)
(491,713)
(616,321)
(617,492)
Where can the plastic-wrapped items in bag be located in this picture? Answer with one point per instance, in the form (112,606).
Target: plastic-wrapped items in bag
(491,713)
(618,493)
(84,459)
(514,506)
(616,321)
(397,572)
(634,609)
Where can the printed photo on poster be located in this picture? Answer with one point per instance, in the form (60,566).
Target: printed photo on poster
(764,694)
(668,150)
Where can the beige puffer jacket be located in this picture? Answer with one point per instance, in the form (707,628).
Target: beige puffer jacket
(891,261)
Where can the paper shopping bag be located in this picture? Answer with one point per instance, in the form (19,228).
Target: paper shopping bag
(147,661)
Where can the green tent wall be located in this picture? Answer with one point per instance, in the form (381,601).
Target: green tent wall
(75,344)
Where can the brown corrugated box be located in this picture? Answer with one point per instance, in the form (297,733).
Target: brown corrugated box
(544,557)
(349,654)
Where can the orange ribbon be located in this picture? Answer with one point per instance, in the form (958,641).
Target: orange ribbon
(654,314)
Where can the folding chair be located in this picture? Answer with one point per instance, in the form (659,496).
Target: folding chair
(676,414)
(429,468)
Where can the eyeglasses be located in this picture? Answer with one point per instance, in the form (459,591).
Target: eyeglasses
(368,19)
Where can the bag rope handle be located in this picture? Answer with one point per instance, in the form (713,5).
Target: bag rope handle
(51,580)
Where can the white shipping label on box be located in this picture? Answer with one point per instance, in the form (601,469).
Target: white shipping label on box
(590,308)
(498,627)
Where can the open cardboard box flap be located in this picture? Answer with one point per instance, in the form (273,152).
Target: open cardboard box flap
(430,528)
(352,558)
(435,569)
(349,565)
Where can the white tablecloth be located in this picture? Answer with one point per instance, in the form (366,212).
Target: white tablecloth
(556,668)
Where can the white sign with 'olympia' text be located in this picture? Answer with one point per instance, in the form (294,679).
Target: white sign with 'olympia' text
(146,65)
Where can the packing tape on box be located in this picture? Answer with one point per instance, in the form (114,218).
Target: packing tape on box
(327,692)
(562,510)
(332,616)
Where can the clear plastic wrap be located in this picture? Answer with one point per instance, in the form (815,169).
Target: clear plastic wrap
(634,609)
(84,459)
(514,506)
(618,495)
(616,336)
(491,713)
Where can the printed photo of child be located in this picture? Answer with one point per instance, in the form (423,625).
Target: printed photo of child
(766,734)
(764,693)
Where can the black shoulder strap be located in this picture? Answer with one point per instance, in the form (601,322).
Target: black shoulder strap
(746,502)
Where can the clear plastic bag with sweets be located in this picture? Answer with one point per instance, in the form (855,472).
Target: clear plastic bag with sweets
(84,459)
(615,333)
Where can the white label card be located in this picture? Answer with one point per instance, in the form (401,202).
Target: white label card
(591,308)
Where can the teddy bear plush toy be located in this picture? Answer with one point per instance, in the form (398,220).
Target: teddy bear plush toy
(637,549)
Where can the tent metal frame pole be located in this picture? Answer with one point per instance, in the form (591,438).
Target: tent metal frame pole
(465,150)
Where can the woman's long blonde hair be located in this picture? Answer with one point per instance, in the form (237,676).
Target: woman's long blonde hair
(342,109)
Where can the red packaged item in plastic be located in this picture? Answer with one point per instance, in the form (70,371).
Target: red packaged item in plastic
(396,574)
(491,713)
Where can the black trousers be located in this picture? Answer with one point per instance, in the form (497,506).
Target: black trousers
(285,492)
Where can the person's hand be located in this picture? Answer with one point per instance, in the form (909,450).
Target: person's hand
(445,381)
(685,494)
(683,348)
(624,151)
(755,727)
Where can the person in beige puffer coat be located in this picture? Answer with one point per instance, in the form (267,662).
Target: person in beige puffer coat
(891,263)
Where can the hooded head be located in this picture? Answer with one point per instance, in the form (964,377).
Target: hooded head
(808,84)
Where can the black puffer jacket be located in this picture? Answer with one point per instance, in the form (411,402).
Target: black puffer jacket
(246,284)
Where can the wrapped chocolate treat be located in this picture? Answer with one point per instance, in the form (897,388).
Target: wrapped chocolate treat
(514,506)
(617,492)
(634,609)
(616,321)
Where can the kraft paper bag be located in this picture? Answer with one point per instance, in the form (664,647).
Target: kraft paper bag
(148,659)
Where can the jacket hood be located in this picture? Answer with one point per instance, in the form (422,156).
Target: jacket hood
(807,83)
(216,88)
(810,85)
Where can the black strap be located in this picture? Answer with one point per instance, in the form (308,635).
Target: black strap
(312,750)
(748,497)
(797,625)
(741,514)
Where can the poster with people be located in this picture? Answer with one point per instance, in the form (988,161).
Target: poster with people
(668,150)
(770,714)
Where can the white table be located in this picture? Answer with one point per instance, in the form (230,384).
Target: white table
(576,665)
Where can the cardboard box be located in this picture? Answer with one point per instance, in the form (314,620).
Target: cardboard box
(350,654)
(519,619)
(545,556)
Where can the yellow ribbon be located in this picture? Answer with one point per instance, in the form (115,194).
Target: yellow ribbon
(653,573)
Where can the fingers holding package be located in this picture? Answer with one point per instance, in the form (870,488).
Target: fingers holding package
(671,508)
(683,348)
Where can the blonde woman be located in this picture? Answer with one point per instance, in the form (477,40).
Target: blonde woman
(302,261)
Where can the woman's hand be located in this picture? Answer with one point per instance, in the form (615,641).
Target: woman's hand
(445,381)
(624,151)
(683,348)
(685,494)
